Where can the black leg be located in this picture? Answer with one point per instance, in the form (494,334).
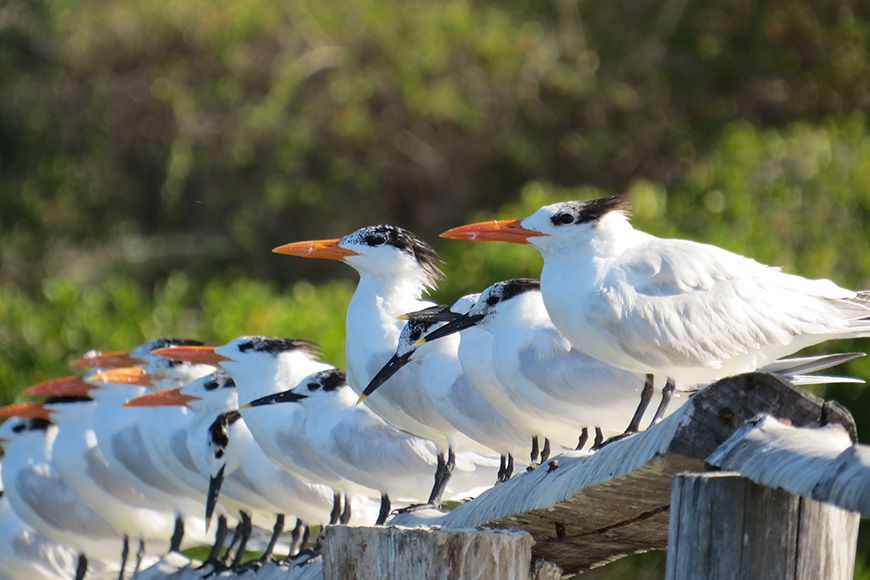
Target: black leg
(645,397)
(81,567)
(345,515)
(177,535)
(545,452)
(243,543)
(220,536)
(581,441)
(533,457)
(599,438)
(140,553)
(237,535)
(276,531)
(509,471)
(667,393)
(306,534)
(502,465)
(125,553)
(336,509)
(294,538)
(384,511)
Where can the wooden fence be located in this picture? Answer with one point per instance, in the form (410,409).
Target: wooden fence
(751,478)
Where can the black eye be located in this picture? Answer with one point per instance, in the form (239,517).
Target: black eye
(313,386)
(493,300)
(18,428)
(565,218)
(375,239)
(415,334)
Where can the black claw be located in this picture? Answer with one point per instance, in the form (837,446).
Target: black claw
(552,466)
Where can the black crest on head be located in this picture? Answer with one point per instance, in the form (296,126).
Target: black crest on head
(591,210)
(329,380)
(31,425)
(218,380)
(510,288)
(406,241)
(276,346)
(168,342)
(67,399)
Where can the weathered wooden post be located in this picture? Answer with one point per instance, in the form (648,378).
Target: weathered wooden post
(432,553)
(725,526)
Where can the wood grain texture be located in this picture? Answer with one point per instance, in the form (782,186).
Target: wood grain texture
(820,463)
(392,552)
(725,526)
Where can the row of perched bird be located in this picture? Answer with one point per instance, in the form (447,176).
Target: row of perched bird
(138,455)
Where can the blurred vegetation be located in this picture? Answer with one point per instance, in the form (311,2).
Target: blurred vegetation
(152,153)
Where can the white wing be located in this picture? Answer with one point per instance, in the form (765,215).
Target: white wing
(680,303)
(55,503)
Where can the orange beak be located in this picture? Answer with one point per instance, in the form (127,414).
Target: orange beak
(324,249)
(493,231)
(164,398)
(71,386)
(126,376)
(106,360)
(204,355)
(29,410)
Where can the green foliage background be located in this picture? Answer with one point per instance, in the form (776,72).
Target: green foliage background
(151,153)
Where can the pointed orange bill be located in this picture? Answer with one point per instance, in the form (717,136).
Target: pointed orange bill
(71,386)
(493,231)
(204,355)
(29,410)
(125,376)
(324,249)
(106,360)
(164,398)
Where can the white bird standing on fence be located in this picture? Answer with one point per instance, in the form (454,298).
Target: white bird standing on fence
(264,365)
(356,443)
(688,311)
(561,389)
(224,449)
(81,464)
(455,395)
(27,554)
(41,498)
(118,429)
(395,268)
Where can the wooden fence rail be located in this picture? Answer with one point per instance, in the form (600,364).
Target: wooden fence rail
(590,509)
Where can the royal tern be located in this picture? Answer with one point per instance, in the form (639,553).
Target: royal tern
(260,366)
(240,494)
(27,554)
(40,497)
(453,393)
(82,466)
(395,268)
(689,311)
(561,389)
(355,442)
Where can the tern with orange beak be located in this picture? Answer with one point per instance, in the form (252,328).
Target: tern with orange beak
(395,268)
(41,498)
(691,312)
(119,434)
(264,365)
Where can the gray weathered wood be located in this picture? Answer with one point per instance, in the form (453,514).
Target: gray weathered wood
(596,508)
(393,552)
(820,463)
(725,526)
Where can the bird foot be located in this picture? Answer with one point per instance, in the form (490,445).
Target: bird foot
(532,466)
(614,439)
(416,508)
